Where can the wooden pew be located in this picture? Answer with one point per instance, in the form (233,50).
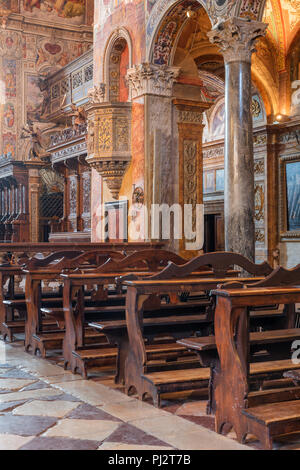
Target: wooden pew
(247,411)
(139,291)
(12,302)
(35,337)
(76,355)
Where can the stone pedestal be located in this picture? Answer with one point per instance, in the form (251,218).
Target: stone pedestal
(236,38)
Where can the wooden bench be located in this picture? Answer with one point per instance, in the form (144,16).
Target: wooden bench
(139,292)
(199,378)
(140,263)
(246,411)
(173,326)
(34,339)
(275,342)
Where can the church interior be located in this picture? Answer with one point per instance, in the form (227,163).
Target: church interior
(149,225)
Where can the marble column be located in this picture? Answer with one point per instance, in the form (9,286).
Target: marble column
(236,38)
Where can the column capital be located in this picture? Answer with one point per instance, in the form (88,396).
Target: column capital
(236,38)
(147,78)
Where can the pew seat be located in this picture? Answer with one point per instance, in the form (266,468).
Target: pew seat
(272,419)
(206,343)
(158,356)
(53,339)
(197,378)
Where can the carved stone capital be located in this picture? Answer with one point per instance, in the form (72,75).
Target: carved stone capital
(96,94)
(236,38)
(153,79)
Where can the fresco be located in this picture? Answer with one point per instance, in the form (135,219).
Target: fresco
(9,143)
(9,67)
(218,121)
(9,115)
(35,98)
(71,11)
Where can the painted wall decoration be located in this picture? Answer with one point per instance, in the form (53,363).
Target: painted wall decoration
(9,115)
(218,121)
(293,195)
(257,109)
(72,11)
(9,144)
(34,99)
(10,77)
(168,30)
(217,117)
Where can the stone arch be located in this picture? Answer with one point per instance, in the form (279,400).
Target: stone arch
(118,42)
(217,10)
(164,27)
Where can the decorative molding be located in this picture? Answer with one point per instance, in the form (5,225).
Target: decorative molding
(213,152)
(190,116)
(153,79)
(236,38)
(112,173)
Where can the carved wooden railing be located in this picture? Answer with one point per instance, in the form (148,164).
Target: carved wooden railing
(220,263)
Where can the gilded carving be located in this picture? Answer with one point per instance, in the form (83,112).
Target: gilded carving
(260,139)
(259,167)
(190,151)
(109,141)
(260,235)
(259,202)
(104,135)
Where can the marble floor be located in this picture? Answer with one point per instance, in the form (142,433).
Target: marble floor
(43,407)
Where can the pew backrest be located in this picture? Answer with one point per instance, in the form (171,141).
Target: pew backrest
(219,262)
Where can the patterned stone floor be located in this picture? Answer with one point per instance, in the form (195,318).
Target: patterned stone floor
(43,407)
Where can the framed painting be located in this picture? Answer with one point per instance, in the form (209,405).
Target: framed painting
(289,194)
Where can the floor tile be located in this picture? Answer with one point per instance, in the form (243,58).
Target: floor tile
(14,384)
(130,411)
(46,392)
(92,393)
(128,434)
(82,429)
(182,434)
(57,408)
(61,443)
(25,425)
(13,442)
(120,446)
(85,411)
